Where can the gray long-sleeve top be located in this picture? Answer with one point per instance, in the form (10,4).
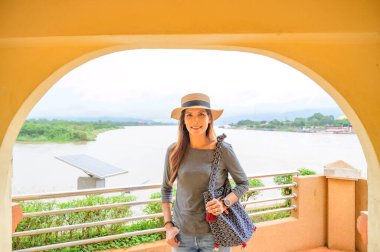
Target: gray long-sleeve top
(192,181)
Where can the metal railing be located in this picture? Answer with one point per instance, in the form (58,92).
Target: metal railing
(128,189)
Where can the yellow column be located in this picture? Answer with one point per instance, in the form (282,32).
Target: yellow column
(341,214)
(341,222)
(5,203)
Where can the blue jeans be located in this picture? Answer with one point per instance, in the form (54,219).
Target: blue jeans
(201,243)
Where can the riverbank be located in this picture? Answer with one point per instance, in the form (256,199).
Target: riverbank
(317,123)
(321,130)
(61,131)
(258,152)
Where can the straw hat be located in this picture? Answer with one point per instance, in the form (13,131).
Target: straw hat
(196,100)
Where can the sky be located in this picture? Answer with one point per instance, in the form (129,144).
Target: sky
(149,83)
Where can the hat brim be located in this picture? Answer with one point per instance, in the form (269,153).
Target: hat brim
(216,113)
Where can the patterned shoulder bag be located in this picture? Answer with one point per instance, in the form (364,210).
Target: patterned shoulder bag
(234,228)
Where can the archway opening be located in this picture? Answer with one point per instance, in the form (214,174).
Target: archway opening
(327,88)
(144,85)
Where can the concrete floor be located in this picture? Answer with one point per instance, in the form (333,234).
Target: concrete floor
(322,249)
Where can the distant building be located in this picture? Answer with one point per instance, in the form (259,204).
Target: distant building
(339,129)
(226,126)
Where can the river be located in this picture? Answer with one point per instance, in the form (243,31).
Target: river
(141,149)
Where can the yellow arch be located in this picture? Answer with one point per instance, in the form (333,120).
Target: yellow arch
(336,43)
(42,89)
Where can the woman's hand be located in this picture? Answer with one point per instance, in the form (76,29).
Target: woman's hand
(171,233)
(216,207)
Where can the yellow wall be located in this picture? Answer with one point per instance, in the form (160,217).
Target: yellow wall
(337,43)
(305,230)
(361,202)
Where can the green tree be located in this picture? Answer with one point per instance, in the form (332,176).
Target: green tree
(343,122)
(327,120)
(299,122)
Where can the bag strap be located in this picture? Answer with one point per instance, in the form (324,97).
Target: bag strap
(215,163)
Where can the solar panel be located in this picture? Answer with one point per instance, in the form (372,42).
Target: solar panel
(92,166)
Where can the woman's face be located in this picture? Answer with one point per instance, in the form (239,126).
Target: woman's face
(196,121)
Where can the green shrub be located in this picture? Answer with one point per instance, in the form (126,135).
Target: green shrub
(250,195)
(153,208)
(287,179)
(82,217)
(306,172)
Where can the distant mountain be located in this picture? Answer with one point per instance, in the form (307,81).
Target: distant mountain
(290,115)
(100,118)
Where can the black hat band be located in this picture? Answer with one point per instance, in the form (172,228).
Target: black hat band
(196,103)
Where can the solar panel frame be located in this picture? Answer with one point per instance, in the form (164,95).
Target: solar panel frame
(91,166)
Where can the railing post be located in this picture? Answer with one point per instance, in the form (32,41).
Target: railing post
(341,206)
(294,201)
(16,215)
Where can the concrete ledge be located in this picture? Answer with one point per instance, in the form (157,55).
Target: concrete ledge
(157,246)
(321,249)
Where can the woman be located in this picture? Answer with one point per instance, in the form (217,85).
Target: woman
(189,162)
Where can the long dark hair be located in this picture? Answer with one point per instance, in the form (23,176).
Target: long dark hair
(179,149)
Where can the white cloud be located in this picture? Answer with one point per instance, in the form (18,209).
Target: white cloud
(148,83)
